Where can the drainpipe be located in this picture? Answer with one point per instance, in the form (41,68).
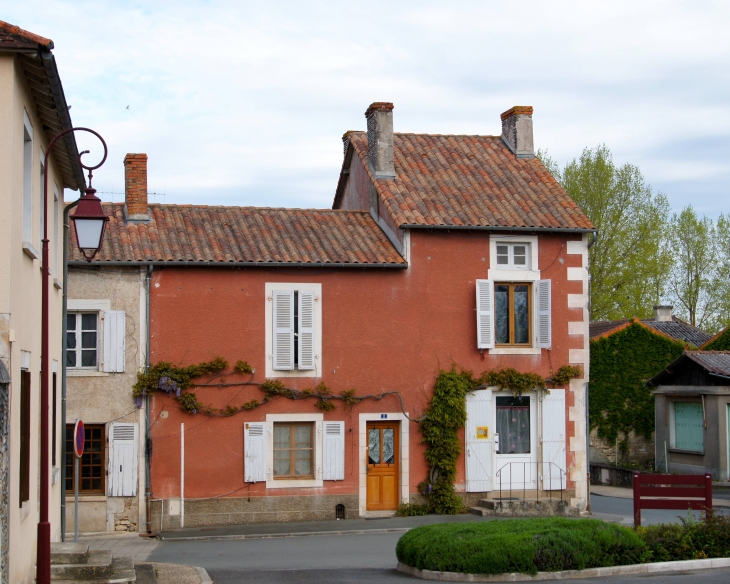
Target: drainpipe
(148,443)
(66,211)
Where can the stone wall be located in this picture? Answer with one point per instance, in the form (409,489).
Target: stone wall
(243,511)
(636,450)
(122,514)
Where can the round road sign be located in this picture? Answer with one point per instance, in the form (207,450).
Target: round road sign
(79,438)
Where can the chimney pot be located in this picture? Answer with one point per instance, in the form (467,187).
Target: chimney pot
(517,131)
(135,188)
(380,139)
(663,313)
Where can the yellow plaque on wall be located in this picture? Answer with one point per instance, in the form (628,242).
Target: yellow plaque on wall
(482,432)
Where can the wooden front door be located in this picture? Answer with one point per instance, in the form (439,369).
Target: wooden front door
(383,458)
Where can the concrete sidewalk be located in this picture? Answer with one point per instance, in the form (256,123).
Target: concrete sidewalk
(624,493)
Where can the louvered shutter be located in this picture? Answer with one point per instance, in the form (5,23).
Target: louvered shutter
(114,341)
(334,451)
(283,329)
(553,441)
(306,330)
(485,314)
(123,460)
(254,452)
(544,325)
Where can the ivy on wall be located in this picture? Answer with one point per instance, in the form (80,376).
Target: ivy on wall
(720,343)
(445,414)
(621,364)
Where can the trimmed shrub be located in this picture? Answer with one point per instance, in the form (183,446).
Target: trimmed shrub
(411,510)
(688,540)
(544,544)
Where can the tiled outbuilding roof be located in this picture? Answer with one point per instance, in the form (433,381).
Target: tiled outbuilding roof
(199,234)
(469,181)
(715,362)
(676,329)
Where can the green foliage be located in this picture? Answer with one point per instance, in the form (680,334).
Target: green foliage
(721,343)
(688,540)
(563,375)
(324,404)
(349,397)
(621,364)
(545,544)
(149,382)
(189,403)
(411,510)
(628,263)
(243,367)
(514,381)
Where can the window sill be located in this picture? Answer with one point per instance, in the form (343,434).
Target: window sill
(57,284)
(30,251)
(515,351)
(274,373)
(85,373)
(293,483)
(24,510)
(91,498)
(682,451)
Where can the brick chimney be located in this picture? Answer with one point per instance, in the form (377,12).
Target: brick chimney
(663,313)
(517,131)
(380,139)
(135,188)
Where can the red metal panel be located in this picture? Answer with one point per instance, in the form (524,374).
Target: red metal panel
(672,504)
(695,486)
(658,479)
(698,493)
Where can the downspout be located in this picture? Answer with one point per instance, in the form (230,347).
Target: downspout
(66,211)
(148,442)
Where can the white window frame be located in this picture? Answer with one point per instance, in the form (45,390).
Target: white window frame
(499,274)
(271,482)
(78,348)
(98,306)
(316,289)
(27,202)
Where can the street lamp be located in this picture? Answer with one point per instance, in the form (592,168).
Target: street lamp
(91,224)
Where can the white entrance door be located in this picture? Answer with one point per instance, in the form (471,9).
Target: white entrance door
(516,441)
(479,441)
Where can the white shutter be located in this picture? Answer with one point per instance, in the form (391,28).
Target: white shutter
(283,329)
(544,332)
(485,314)
(114,341)
(479,449)
(306,330)
(333,447)
(553,441)
(254,452)
(123,460)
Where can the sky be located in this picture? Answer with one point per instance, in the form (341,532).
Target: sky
(245,103)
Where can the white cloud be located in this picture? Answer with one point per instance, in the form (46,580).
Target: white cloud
(245,103)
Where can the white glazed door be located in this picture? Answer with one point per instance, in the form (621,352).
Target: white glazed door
(515,425)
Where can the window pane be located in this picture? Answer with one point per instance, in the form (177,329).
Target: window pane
(513,425)
(520,255)
(71,340)
(388,446)
(501,304)
(281,463)
(374,446)
(88,340)
(303,436)
(70,358)
(689,426)
(502,255)
(70,322)
(522,313)
(281,436)
(88,322)
(303,463)
(88,358)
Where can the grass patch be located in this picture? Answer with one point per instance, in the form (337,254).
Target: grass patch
(542,544)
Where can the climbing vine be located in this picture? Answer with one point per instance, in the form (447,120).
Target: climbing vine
(444,416)
(720,343)
(621,364)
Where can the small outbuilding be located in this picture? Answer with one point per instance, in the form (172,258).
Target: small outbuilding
(692,407)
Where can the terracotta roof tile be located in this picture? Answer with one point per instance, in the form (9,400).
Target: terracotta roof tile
(469,181)
(187,233)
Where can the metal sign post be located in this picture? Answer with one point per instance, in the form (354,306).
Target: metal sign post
(79,439)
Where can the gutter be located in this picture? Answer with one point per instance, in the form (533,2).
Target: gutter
(499,228)
(64,309)
(204,264)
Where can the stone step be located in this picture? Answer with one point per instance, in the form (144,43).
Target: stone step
(69,553)
(98,566)
(526,508)
(122,572)
(482,511)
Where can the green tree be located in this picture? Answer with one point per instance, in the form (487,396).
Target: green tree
(630,261)
(697,285)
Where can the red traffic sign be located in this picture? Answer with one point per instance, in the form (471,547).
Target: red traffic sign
(79,438)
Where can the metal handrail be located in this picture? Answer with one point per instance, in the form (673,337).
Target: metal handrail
(525,465)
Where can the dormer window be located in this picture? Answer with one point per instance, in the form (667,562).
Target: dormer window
(513,256)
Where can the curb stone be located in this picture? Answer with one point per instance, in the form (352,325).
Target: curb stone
(654,568)
(203,575)
(279,535)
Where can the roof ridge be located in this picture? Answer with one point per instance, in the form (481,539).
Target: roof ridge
(430,134)
(254,207)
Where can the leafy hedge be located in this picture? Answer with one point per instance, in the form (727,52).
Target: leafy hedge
(544,544)
(721,343)
(690,540)
(621,364)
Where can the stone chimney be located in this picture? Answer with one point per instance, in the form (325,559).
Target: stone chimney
(517,131)
(380,139)
(663,313)
(135,188)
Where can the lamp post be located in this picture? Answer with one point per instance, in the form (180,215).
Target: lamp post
(90,222)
